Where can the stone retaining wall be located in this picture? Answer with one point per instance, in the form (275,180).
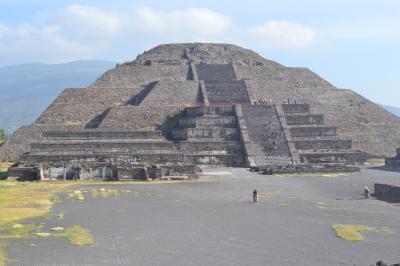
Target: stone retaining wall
(126,75)
(305,119)
(312,131)
(215,72)
(173,93)
(138,117)
(102,134)
(323,144)
(389,193)
(79,106)
(296,108)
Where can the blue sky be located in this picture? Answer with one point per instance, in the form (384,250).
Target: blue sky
(353,44)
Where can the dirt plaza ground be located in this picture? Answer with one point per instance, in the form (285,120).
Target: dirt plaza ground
(214,222)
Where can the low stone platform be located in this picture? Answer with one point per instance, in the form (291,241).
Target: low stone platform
(386,192)
(314,143)
(393,163)
(299,169)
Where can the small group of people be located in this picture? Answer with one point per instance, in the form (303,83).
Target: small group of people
(272,138)
(290,101)
(264,101)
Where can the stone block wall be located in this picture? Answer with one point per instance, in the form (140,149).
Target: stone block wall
(323,144)
(296,108)
(138,117)
(372,129)
(386,192)
(305,119)
(89,134)
(173,93)
(215,72)
(312,131)
(227,92)
(126,75)
(79,106)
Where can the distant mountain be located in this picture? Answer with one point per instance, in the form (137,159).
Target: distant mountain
(26,90)
(392,109)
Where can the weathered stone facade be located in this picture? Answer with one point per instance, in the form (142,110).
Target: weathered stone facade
(180,105)
(394,162)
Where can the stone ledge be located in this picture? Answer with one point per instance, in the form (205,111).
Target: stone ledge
(386,192)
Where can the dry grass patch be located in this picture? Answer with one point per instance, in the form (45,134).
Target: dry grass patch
(78,236)
(320,205)
(3,257)
(20,201)
(76,194)
(5,165)
(26,200)
(351,232)
(272,194)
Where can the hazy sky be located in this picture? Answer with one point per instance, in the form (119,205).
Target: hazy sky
(353,44)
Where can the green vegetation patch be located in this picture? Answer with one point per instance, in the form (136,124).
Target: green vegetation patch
(272,194)
(78,236)
(351,232)
(3,256)
(23,200)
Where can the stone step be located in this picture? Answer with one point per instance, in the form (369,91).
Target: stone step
(92,145)
(296,108)
(85,156)
(220,121)
(235,87)
(267,139)
(268,150)
(326,151)
(215,72)
(309,168)
(226,110)
(226,146)
(208,133)
(137,153)
(343,157)
(322,144)
(225,159)
(212,158)
(102,134)
(316,138)
(308,119)
(312,131)
(231,98)
(272,160)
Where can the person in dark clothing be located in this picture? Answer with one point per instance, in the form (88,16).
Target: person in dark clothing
(255,196)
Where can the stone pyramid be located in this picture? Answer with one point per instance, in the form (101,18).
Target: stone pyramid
(178,106)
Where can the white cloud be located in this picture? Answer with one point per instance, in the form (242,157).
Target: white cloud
(30,44)
(3,30)
(76,32)
(189,24)
(79,32)
(282,35)
(84,22)
(375,28)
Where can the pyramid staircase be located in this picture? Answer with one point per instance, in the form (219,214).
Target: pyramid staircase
(315,142)
(268,144)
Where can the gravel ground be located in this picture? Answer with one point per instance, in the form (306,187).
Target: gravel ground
(214,222)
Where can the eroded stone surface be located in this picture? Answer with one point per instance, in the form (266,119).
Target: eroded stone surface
(164,88)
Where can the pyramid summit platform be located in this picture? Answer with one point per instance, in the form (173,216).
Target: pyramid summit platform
(179,106)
